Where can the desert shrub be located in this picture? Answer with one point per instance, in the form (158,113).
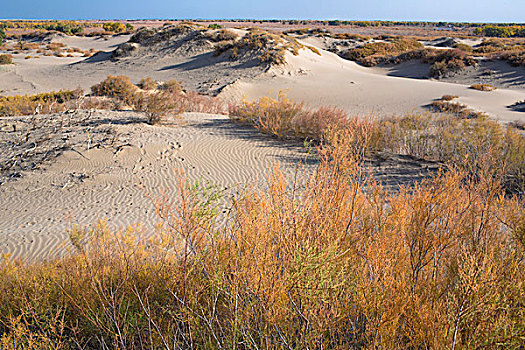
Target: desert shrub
(116,27)
(371,54)
(6,59)
(286,118)
(119,87)
(191,101)
(172,86)
(460,143)
(458,109)
(447,62)
(54,46)
(463,47)
(147,83)
(225,35)
(514,58)
(268,48)
(335,263)
(483,87)
(518,124)
(156,106)
(214,26)
(2,36)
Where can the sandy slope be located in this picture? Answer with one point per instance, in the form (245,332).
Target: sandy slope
(47,73)
(331,80)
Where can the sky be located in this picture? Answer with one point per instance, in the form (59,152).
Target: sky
(417,10)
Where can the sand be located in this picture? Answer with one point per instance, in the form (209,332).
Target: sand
(113,178)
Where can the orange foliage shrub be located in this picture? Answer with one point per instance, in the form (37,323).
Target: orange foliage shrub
(335,263)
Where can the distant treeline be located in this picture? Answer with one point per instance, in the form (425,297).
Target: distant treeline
(67,27)
(376,23)
(502,31)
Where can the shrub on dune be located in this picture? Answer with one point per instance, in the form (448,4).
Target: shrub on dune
(483,87)
(115,86)
(6,59)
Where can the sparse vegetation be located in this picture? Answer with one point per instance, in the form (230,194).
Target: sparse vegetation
(268,48)
(449,138)
(40,103)
(371,54)
(483,87)
(155,104)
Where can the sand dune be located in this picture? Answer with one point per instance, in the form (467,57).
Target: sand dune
(318,80)
(331,80)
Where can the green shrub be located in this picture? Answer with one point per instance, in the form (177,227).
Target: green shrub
(214,26)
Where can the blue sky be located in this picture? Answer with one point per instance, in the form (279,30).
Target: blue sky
(425,10)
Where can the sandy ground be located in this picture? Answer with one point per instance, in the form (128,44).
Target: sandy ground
(103,165)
